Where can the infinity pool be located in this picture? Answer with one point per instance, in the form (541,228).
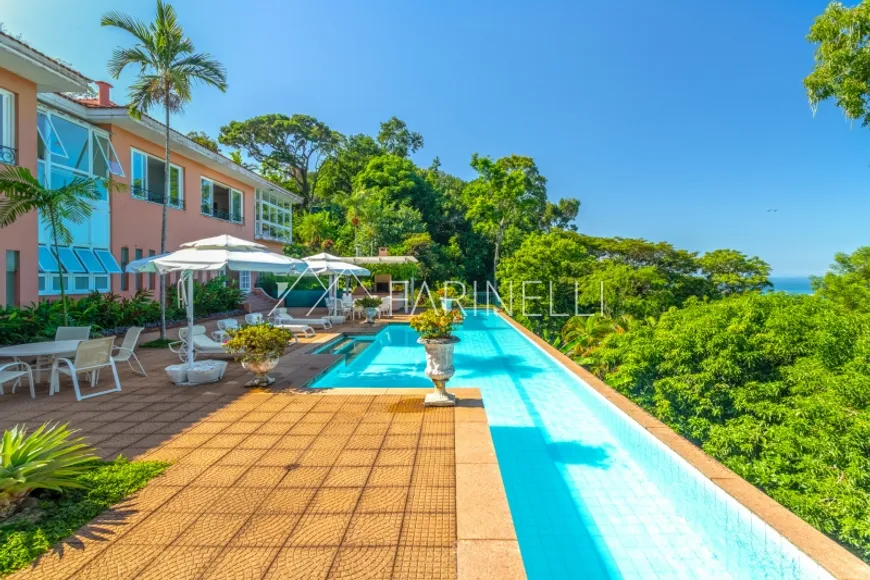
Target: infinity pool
(592,494)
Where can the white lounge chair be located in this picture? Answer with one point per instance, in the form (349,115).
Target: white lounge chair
(14,371)
(91,356)
(124,353)
(224,327)
(283,318)
(254,318)
(302,329)
(202,344)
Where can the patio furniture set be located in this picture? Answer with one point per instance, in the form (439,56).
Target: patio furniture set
(72,353)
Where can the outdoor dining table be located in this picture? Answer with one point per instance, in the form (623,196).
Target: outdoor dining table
(38,349)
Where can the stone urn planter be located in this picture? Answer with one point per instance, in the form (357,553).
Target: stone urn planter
(260,368)
(370,315)
(439,368)
(370,305)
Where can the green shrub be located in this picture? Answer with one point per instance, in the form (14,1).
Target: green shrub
(368,302)
(23,540)
(47,458)
(257,342)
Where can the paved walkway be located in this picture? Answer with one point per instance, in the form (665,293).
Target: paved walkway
(286,486)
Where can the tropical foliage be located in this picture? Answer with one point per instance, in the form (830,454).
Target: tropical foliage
(47,458)
(110,313)
(168,67)
(104,485)
(368,302)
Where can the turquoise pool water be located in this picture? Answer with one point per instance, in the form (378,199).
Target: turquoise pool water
(592,494)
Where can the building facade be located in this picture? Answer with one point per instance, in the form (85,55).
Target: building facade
(59,137)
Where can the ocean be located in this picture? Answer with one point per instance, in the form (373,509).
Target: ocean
(792,285)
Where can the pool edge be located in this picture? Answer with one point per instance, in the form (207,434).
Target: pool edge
(827,553)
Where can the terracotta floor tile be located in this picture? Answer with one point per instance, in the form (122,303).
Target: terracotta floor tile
(271,428)
(203,457)
(179,562)
(306,429)
(319,530)
(259,442)
(400,441)
(240,501)
(390,476)
(365,442)
(225,441)
(219,476)
(391,457)
(294,442)
(242,428)
(242,457)
(212,530)
(287,500)
(332,440)
(381,529)
(262,477)
(247,562)
(347,476)
(382,500)
(298,562)
(279,457)
(432,499)
(323,457)
(161,528)
(357,457)
(304,476)
(367,563)
(149,498)
(416,563)
(194,500)
(432,530)
(335,500)
(266,530)
(119,561)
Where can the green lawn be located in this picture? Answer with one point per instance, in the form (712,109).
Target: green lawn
(23,541)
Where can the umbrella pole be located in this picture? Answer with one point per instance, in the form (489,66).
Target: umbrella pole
(189,319)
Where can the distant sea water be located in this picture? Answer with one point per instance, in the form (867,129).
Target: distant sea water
(792,285)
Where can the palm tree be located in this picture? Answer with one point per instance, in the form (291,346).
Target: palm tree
(168,66)
(22,193)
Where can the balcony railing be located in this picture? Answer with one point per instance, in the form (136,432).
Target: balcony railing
(234,217)
(140,192)
(8,155)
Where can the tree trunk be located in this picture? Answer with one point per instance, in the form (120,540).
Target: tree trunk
(163,231)
(499,236)
(53,218)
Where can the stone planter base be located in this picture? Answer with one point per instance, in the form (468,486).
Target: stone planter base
(204,371)
(439,398)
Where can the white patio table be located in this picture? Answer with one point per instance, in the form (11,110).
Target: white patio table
(37,349)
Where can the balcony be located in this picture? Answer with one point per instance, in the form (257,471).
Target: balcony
(219,214)
(140,192)
(8,155)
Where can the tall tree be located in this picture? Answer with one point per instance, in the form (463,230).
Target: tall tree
(509,193)
(202,138)
(842,67)
(295,146)
(561,215)
(397,139)
(732,272)
(168,66)
(22,193)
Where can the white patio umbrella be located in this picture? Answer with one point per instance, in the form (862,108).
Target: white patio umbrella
(333,266)
(209,254)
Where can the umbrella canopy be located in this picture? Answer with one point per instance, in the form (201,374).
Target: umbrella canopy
(318,267)
(214,254)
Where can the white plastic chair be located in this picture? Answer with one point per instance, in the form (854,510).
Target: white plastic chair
(224,326)
(202,344)
(72,333)
(91,356)
(254,318)
(8,373)
(124,353)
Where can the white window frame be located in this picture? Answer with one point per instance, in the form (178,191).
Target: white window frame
(47,164)
(7,136)
(245,281)
(210,212)
(133,152)
(263,199)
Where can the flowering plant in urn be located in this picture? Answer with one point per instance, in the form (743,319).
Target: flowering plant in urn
(436,335)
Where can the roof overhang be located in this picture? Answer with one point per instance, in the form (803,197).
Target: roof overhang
(380,260)
(46,73)
(155,132)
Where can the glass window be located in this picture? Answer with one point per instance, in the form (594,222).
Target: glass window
(48,139)
(69,261)
(87,257)
(55,283)
(105,159)
(174,186)
(205,189)
(108,261)
(42,283)
(149,180)
(75,139)
(138,184)
(101,283)
(236,206)
(125,259)
(82,283)
(47,261)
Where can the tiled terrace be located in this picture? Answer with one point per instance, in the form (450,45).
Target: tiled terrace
(285,483)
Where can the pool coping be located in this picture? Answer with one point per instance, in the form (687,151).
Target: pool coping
(486,541)
(827,553)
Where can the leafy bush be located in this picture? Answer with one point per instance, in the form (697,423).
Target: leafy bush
(775,386)
(108,483)
(110,313)
(47,458)
(257,342)
(436,324)
(368,302)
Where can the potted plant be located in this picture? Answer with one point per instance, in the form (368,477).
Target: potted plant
(370,305)
(447,294)
(436,335)
(258,347)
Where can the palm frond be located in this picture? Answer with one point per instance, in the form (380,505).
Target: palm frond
(202,67)
(129,24)
(124,57)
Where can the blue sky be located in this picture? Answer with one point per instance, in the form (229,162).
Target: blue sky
(682,120)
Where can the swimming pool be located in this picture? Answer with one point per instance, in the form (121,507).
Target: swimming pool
(592,494)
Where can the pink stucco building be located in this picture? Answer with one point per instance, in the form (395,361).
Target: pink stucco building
(58,136)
